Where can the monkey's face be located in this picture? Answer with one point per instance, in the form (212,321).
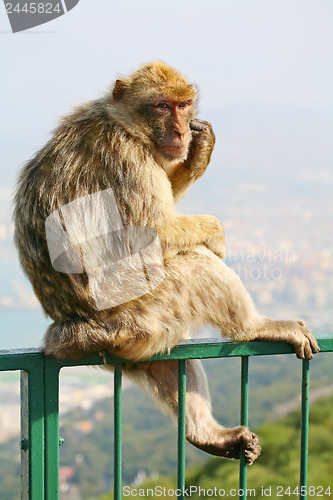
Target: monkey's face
(170,121)
(156,105)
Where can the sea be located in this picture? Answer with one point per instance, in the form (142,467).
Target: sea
(21,329)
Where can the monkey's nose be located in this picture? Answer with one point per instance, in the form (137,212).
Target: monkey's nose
(181,135)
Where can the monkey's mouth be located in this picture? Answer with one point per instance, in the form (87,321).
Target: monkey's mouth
(175,150)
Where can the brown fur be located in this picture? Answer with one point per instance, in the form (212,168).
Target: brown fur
(120,142)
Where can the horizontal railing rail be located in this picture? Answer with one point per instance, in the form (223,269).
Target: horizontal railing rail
(40,406)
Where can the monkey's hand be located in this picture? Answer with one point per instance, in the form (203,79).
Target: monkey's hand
(201,147)
(200,150)
(216,240)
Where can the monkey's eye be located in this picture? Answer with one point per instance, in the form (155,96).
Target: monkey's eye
(184,105)
(162,105)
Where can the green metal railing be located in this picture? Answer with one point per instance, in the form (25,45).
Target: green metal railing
(40,407)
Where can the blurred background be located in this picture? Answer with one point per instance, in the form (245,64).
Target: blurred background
(265,74)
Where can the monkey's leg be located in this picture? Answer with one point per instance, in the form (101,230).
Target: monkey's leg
(199,289)
(201,429)
(225,302)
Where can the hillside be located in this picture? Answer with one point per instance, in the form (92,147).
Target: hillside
(276,472)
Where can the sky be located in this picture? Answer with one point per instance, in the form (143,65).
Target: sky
(278,52)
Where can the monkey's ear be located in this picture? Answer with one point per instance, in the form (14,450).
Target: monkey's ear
(119,90)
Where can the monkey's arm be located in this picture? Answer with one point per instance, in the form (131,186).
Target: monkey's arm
(201,148)
(183,232)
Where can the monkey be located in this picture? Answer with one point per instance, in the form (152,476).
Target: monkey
(144,141)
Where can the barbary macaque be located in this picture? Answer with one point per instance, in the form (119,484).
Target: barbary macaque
(142,146)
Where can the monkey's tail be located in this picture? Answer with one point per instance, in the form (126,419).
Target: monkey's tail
(74,338)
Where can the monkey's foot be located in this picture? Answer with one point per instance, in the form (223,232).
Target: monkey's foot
(231,443)
(293,332)
(305,344)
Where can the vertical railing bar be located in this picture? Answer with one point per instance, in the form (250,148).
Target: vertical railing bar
(181,427)
(117,432)
(244,420)
(32,432)
(51,426)
(304,428)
